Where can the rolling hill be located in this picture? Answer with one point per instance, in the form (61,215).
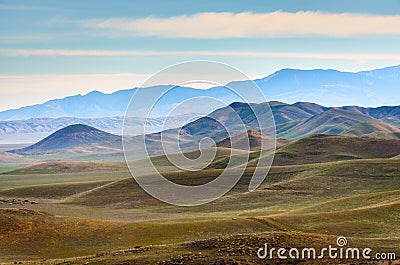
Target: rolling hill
(292,121)
(333,121)
(57,167)
(14,159)
(321,148)
(255,141)
(374,129)
(116,222)
(324,148)
(313,149)
(66,138)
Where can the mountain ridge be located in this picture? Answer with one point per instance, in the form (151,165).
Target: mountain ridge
(36,128)
(327,87)
(292,121)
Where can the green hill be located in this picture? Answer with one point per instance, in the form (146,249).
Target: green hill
(323,148)
(67,167)
(333,121)
(374,129)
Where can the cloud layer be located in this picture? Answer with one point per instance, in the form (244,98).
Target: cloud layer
(257,54)
(250,25)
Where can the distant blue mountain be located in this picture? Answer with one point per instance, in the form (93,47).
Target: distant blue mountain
(326,87)
(334,88)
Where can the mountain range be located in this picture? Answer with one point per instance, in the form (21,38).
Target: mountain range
(299,120)
(327,87)
(32,130)
(293,121)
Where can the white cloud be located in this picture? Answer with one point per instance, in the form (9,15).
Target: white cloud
(25,38)
(251,25)
(358,57)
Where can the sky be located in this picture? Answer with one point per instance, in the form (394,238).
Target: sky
(52,49)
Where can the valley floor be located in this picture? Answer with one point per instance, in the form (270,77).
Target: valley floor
(96,214)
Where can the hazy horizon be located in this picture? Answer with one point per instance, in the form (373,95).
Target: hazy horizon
(111,90)
(56,49)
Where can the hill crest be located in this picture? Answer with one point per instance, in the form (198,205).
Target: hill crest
(374,129)
(324,148)
(256,141)
(68,137)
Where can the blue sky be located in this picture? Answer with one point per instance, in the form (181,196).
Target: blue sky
(51,49)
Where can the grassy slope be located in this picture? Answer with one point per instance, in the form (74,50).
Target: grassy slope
(51,236)
(285,185)
(57,167)
(357,198)
(374,129)
(324,148)
(8,168)
(228,249)
(14,159)
(53,191)
(358,222)
(353,202)
(284,203)
(24,180)
(333,121)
